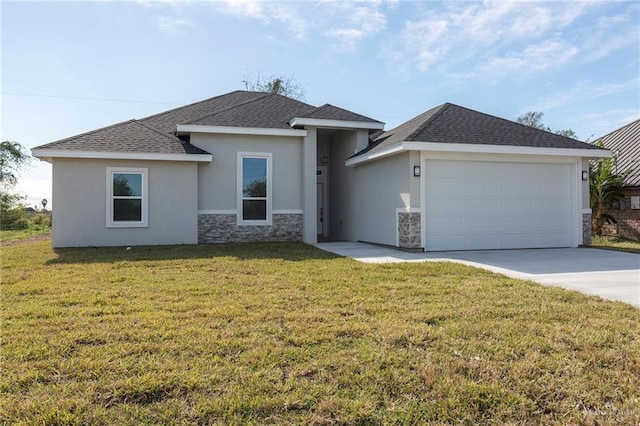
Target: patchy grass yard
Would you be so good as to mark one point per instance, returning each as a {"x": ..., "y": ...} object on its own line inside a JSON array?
[
  {"x": 24, "y": 234},
  {"x": 288, "y": 334},
  {"x": 616, "y": 243}
]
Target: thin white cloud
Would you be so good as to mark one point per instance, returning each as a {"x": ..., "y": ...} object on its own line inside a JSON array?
[
  {"x": 583, "y": 91},
  {"x": 172, "y": 25},
  {"x": 494, "y": 39}
]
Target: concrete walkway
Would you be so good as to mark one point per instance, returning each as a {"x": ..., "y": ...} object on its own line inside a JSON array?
[{"x": 609, "y": 274}]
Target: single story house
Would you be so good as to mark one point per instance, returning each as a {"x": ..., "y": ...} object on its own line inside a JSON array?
[
  {"x": 624, "y": 143},
  {"x": 249, "y": 166}
]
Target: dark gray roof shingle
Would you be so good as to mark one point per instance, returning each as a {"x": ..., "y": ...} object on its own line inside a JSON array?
[
  {"x": 128, "y": 136},
  {"x": 156, "y": 133},
  {"x": 449, "y": 123},
  {"x": 264, "y": 111},
  {"x": 625, "y": 145},
  {"x": 330, "y": 112}
]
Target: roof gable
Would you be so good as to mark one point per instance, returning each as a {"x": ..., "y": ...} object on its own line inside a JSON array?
[
  {"x": 625, "y": 145},
  {"x": 453, "y": 124},
  {"x": 330, "y": 112}
]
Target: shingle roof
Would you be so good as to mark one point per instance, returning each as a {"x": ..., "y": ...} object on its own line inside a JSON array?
[
  {"x": 156, "y": 133},
  {"x": 449, "y": 123},
  {"x": 330, "y": 112},
  {"x": 128, "y": 136},
  {"x": 264, "y": 111},
  {"x": 625, "y": 145}
]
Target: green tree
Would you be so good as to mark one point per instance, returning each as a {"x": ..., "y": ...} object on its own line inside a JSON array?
[
  {"x": 280, "y": 84},
  {"x": 534, "y": 119},
  {"x": 605, "y": 188},
  {"x": 13, "y": 157}
]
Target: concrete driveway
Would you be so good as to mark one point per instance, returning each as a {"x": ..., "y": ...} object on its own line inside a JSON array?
[{"x": 609, "y": 274}]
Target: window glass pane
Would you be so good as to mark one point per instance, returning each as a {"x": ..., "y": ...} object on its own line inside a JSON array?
[
  {"x": 127, "y": 184},
  {"x": 125, "y": 210},
  {"x": 254, "y": 177},
  {"x": 254, "y": 210}
]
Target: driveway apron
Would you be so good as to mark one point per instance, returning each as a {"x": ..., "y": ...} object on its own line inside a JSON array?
[{"x": 609, "y": 274}]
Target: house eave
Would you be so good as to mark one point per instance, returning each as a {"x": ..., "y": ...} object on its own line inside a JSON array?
[
  {"x": 229, "y": 130},
  {"x": 335, "y": 124},
  {"x": 477, "y": 149},
  {"x": 48, "y": 154}
]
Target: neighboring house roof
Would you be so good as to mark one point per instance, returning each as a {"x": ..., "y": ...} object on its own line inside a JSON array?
[
  {"x": 625, "y": 145},
  {"x": 453, "y": 124},
  {"x": 156, "y": 134}
]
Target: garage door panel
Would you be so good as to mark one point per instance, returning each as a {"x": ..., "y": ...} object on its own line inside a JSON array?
[
  {"x": 549, "y": 206},
  {"x": 491, "y": 205},
  {"x": 514, "y": 189},
  {"x": 483, "y": 207},
  {"x": 550, "y": 223},
  {"x": 445, "y": 224},
  {"x": 482, "y": 224},
  {"x": 514, "y": 172},
  {"x": 446, "y": 206},
  {"x": 549, "y": 189},
  {"x": 516, "y": 224},
  {"x": 516, "y": 206},
  {"x": 480, "y": 172}
]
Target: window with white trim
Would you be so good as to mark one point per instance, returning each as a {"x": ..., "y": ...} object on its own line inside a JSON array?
[
  {"x": 127, "y": 198},
  {"x": 254, "y": 188}
]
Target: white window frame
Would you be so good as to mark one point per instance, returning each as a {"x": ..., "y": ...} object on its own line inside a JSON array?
[
  {"x": 269, "y": 219},
  {"x": 144, "y": 223}
]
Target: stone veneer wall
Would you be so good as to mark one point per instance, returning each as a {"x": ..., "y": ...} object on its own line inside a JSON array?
[
  {"x": 409, "y": 235},
  {"x": 586, "y": 229},
  {"x": 223, "y": 228}
]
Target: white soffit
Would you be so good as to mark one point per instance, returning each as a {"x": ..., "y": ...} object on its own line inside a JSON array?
[
  {"x": 477, "y": 148},
  {"x": 229, "y": 130},
  {"x": 48, "y": 154},
  {"x": 335, "y": 124}
]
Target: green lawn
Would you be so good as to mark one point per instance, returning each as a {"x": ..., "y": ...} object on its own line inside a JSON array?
[
  {"x": 616, "y": 243},
  {"x": 288, "y": 334}
]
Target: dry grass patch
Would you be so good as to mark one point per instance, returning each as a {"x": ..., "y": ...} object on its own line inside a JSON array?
[
  {"x": 288, "y": 334},
  {"x": 616, "y": 243}
]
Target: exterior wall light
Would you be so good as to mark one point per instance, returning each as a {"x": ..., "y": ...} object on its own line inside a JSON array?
[
  {"x": 585, "y": 175},
  {"x": 416, "y": 171}
]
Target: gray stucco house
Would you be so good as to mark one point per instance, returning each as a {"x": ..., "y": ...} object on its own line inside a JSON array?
[{"x": 249, "y": 166}]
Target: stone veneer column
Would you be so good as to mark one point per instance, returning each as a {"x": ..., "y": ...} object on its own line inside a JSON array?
[
  {"x": 409, "y": 235},
  {"x": 586, "y": 229},
  {"x": 309, "y": 166}
]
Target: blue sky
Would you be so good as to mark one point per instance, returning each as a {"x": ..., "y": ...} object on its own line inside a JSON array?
[{"x": 70, "y": 67}]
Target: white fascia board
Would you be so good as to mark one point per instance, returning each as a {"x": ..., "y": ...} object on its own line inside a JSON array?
[
  {"x": 478, "y": 149},
  {"x": 48, "y": 154},
  {"x": 335, "y": 124},
  {"x": 228, "y": 130}
]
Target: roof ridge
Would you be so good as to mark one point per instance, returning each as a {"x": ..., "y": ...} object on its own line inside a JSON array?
[
  {"x": 429, "y": 120},
  {"x": 264, "y": 95},
  {"x": 188, "y": 105}
]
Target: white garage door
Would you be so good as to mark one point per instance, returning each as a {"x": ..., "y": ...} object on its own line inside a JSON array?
[{"x": 474, "y": 205}]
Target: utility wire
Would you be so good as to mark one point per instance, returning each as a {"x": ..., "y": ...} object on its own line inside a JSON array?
[{"x": 41, "y": 95}]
